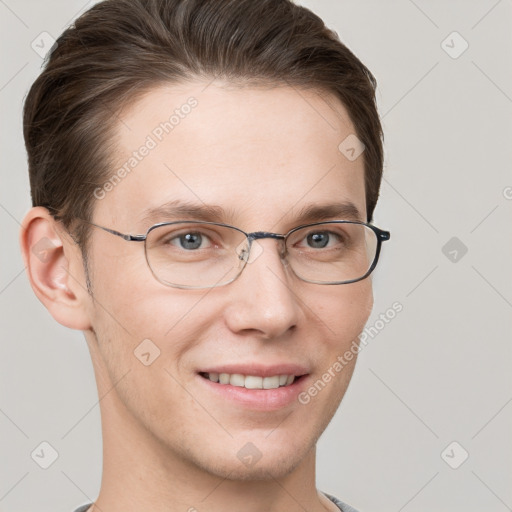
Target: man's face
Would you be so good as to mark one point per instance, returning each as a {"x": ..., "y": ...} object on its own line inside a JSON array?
[{"x": 262, "y": 155}]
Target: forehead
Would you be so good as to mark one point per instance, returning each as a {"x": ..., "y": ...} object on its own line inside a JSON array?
[{"x": 260, "y": 154}]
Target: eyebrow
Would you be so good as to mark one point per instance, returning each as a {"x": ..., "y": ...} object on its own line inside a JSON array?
[
  {"x": 316, "y": 213},
  {"x": 184, "y": 210}
]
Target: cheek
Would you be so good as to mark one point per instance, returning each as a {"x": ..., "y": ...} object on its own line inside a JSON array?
[
  {"x": 133, "y": 314},
  {"x": 129, "y": 296},
  {"x": 343, "y": 314},
  {"x": 346, "y": 310},
  {"x": 143, "y": 333}
]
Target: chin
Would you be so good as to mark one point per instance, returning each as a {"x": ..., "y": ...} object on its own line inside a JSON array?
[
  {"x": 271, "y": 469},
  {"x": 258, "y": 460}
]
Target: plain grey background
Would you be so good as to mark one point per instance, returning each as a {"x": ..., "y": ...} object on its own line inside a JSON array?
[{"x": 426, "y": 422}]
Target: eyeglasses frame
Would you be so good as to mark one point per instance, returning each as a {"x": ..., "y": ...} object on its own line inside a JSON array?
[{"x": 381, "y": 235}]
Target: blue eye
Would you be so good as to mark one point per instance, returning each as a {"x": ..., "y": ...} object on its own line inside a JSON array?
[
  {"x": 322, "y": 239},
  {"x": 318, "y": 240},
  {"x": 190, "y": 241}
]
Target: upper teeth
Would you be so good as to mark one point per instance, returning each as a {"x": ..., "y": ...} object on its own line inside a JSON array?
[{"x": 251, "y": 381}]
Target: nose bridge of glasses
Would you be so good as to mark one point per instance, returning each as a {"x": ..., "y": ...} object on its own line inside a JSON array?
[{"x": 259, "y": 235}]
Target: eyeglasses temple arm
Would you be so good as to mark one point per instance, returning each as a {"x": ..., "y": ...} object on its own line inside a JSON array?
[{"x": 128, "y": 238}]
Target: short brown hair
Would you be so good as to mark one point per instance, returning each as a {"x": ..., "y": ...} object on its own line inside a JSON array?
[{"x": 122, "y": 48}]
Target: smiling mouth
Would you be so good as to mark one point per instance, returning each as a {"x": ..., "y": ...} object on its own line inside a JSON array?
[{"x": 252, "y": 381}]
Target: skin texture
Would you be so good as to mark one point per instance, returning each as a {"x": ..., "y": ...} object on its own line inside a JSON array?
[{"x": 169, "y": 443}]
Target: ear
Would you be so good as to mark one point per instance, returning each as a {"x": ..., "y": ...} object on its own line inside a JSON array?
[{"x": 55, "y": 270}]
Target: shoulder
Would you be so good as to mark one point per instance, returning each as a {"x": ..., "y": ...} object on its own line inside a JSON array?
[
  {"x": 340, "y": 504},
  {"x": 83, "y": 508}
]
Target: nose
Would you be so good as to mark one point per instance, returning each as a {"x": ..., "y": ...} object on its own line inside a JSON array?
[{"x": 263, "y": 300}]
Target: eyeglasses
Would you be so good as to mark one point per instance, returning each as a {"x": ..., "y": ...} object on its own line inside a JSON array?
[{"x": 193, "y": 254}]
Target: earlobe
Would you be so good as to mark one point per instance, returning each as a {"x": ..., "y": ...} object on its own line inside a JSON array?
[{"x": 54, "y": 267}]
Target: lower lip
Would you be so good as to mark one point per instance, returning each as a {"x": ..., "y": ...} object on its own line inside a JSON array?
[{"x": 257, "y": 399}]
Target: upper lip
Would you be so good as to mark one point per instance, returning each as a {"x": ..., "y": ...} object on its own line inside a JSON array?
[{"x": 258, "y": 370}]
